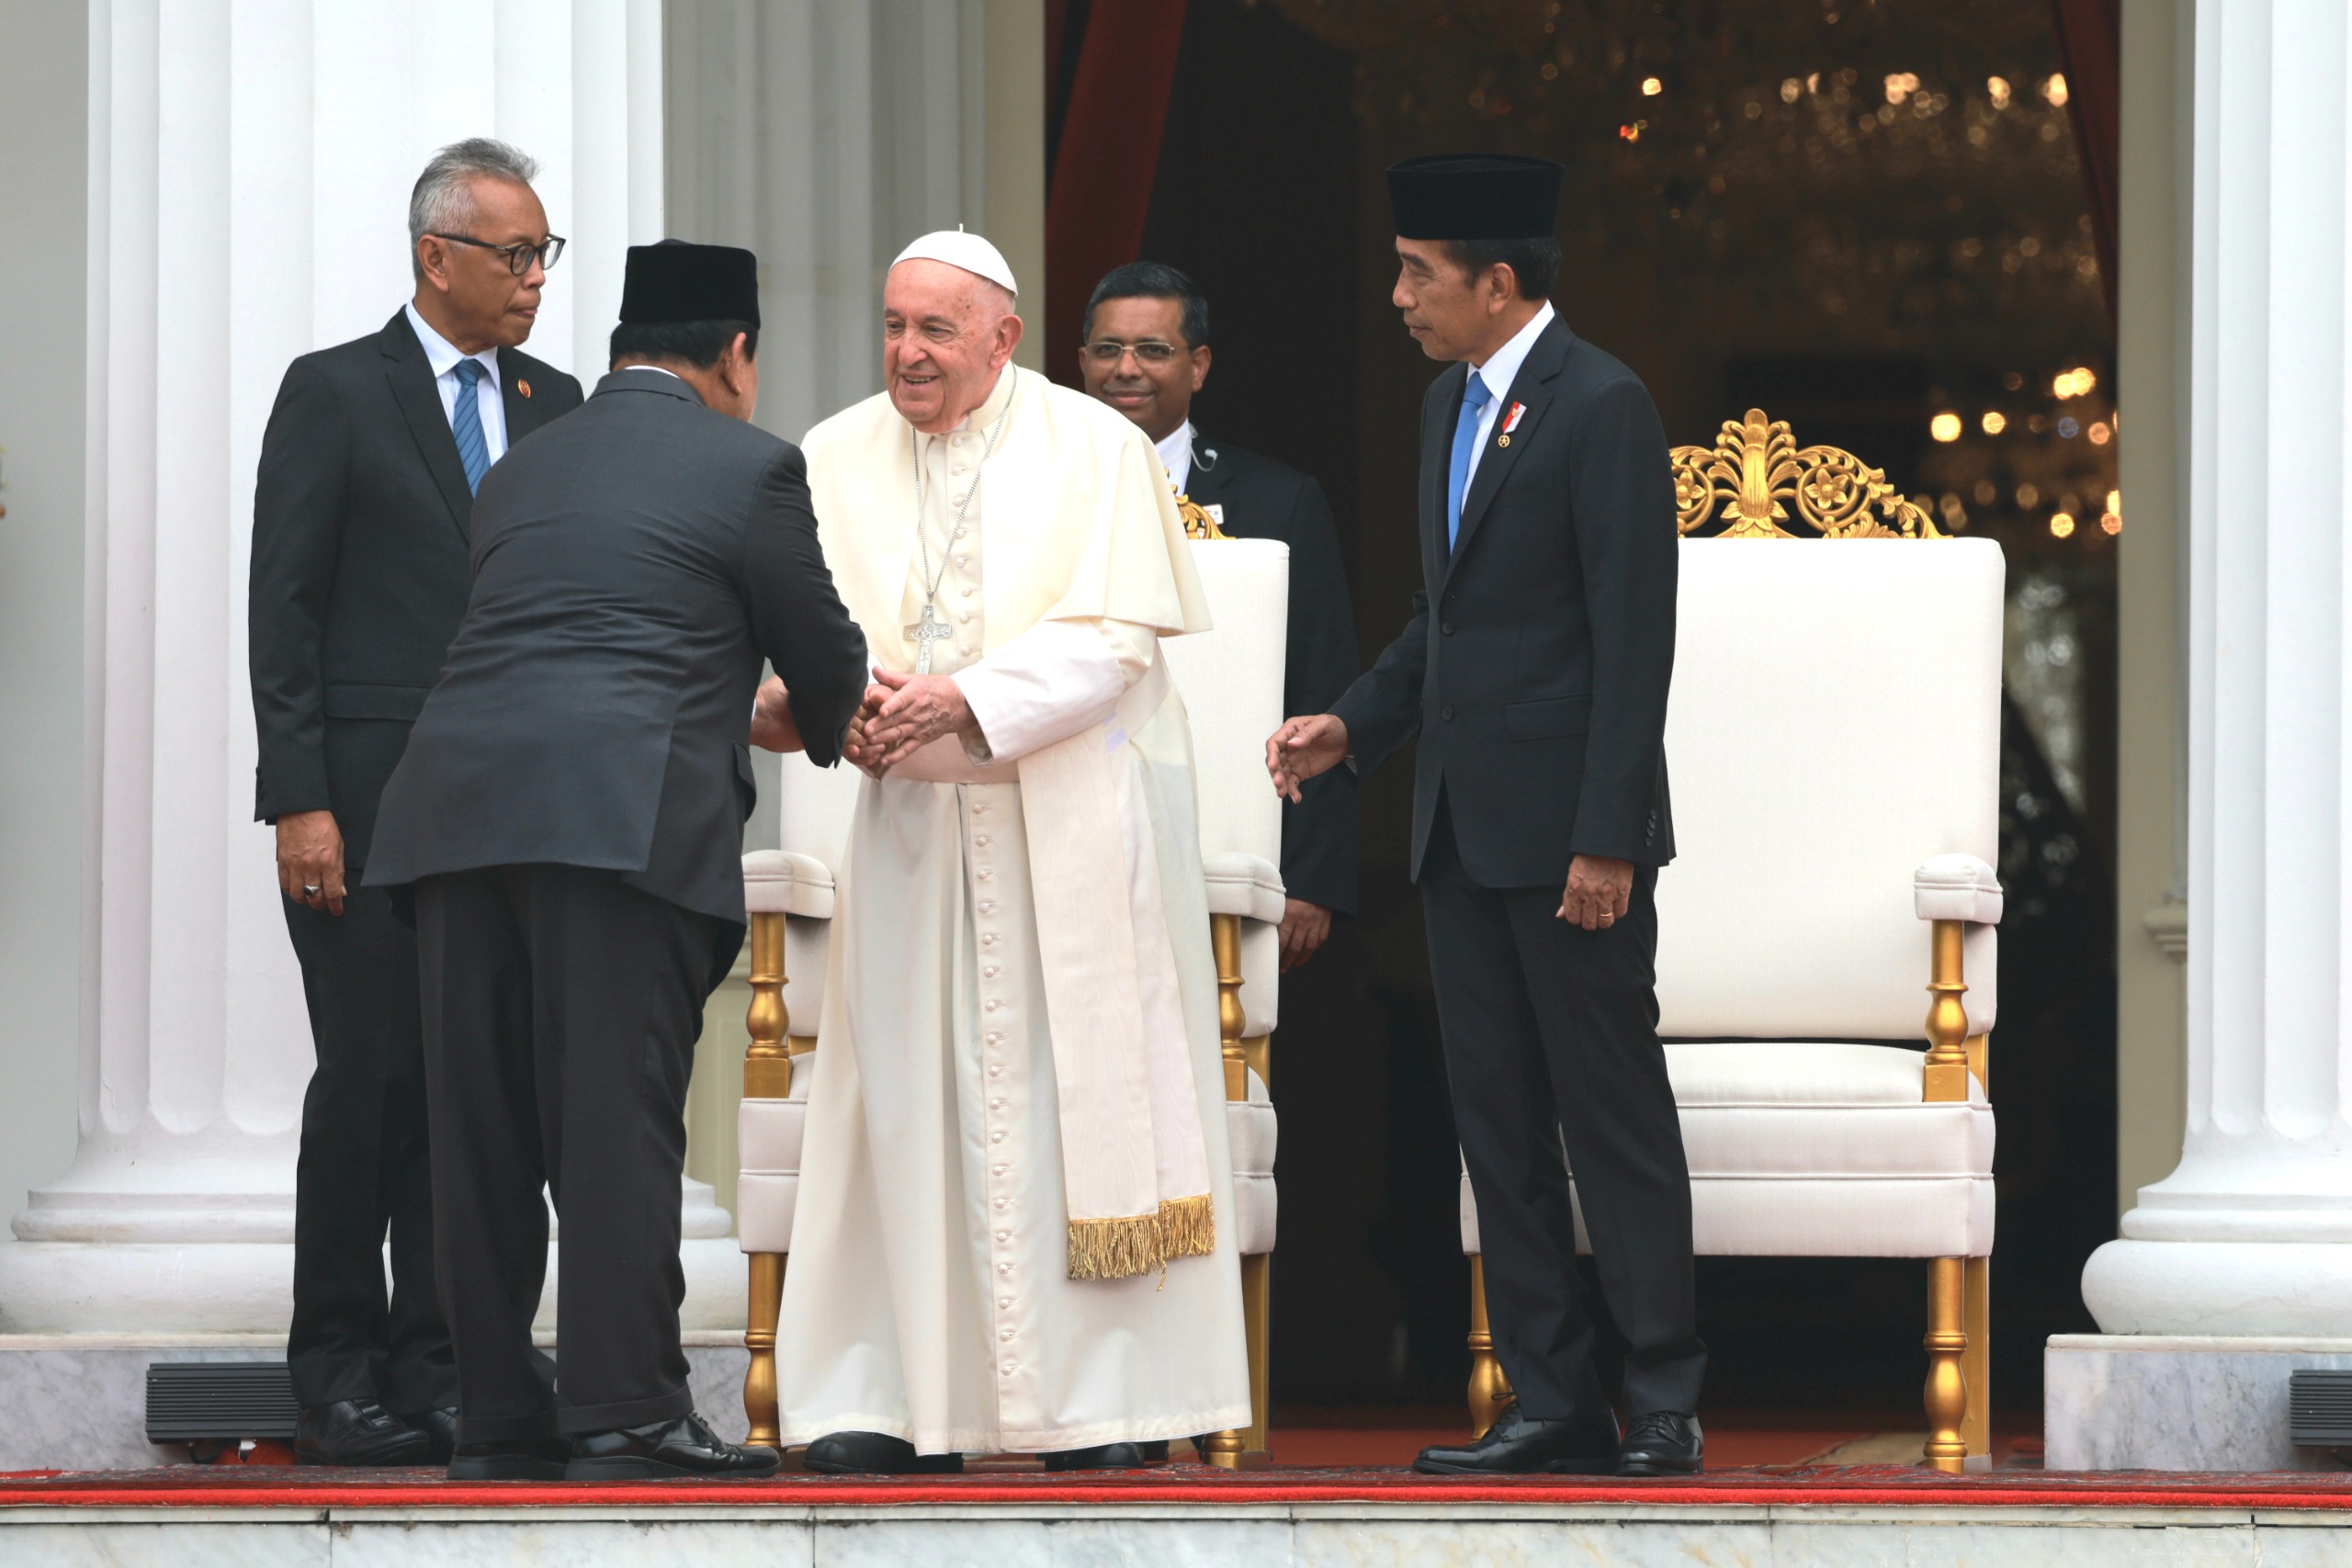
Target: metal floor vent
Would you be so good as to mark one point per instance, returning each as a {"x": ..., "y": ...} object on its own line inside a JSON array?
[
  {"x": 2319, "y": 1408},
  {"x": 219, "y": 1401}
]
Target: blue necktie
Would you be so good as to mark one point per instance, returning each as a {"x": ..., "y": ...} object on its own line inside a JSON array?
[
  {"x": 473, "y": 449},
  {"x": 1474, "y": 397}
]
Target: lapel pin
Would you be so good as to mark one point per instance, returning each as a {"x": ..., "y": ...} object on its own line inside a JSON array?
[
  {"x": 524, "y": 388},
  {"x": 1510, "y": 420},
  {"x": 1502, "y": 440}
]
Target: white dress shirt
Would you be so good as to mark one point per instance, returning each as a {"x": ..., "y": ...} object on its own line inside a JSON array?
[
  {"x": 1499, "y": 370},
  {"x": 443, "y": 355},
  {"x": 1176, "y": 456}
]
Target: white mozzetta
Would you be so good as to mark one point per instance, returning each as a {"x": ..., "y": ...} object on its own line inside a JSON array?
[
  {"x": 2249, "y": 1234},
  {"x": 250, "y": 164}
]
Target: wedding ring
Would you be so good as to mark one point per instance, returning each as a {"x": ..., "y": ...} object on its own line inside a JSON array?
[{"x": 310, "y": 889}]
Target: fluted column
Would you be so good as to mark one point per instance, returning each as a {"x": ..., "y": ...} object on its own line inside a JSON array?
[
  {"x": 250, "y": 166},
  {"x": 2251, "y": 1235}
]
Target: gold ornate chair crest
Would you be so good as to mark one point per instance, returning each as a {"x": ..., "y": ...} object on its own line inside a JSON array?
[{"x": 1759, "y": 472}]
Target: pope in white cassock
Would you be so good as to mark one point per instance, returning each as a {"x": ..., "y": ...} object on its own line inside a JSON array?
[{"x": 1015, "y": 1226}]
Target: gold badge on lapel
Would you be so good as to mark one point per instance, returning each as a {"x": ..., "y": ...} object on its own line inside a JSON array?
[
  {"x": 524, "y": 388},
  {"x": 1502, "y": 440}
]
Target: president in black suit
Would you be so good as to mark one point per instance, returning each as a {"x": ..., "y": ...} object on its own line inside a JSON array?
[
  {"x": 1535, "y": 671},
  {"x": 1145, "y": 354},
  {"x": 359, "y": 577},
  {"x": 570, "y": 812}
]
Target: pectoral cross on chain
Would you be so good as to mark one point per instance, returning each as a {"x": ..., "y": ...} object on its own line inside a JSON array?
[{"x": 928, "y": 630}]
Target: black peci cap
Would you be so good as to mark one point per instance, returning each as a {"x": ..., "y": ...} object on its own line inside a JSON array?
[
  {"x": 1475, "y": 196},
  {"x": 675, "y": 281}
]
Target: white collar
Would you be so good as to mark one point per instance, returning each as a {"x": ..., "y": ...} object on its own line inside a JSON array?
[
  {"x": 1176, "y": 453},
  {"x": 443, "y": 354},
  {"x": 1501, "y": 367}
]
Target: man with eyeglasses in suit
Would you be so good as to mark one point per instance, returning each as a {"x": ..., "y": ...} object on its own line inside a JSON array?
[
  {"x": 1147, "y": 354},
  {"x": 360, "y": 576}
]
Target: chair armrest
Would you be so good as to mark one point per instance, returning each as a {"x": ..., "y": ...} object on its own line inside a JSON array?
[
  {"x": 1246, "y": 886},
  {"x": 1957, "y": 887},
  {"x": 778, "y": 882}
]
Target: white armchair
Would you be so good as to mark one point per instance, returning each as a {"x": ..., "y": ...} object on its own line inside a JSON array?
[
  {"x": 1835, "y": 739},
  {"x": 1231, "y": 681},
  {"x": 789, "y": 894}
]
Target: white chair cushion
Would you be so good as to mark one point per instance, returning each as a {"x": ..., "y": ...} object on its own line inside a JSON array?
[
  {"x": 1957, "y": 887},
  {"x": 813, "y": 807},
  {"x": 1251, "y": 887},
  {"x": 1834, "y": 722},
  {"x": 1824, "y": 1149},
  {"x": 1231, "y": 680},
  {"x": 777, "y": 882},
  {"x": 767, "y": 1185},
  {"x": 1251, "y": 1125}
]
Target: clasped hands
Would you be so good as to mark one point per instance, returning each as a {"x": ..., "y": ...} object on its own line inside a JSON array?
[
  {"x": 1599, "y": 888},
  {"x": 900, "y": 714}
]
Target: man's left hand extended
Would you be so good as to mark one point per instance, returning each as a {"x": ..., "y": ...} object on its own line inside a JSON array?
[
  {"x": 1599, "y": 892},
  {"x": 918, "y": 710},
  {"x": 1304, "y": 928}
]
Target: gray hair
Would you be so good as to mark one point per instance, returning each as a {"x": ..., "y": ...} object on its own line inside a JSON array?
[{"x": 443, "y": 202}]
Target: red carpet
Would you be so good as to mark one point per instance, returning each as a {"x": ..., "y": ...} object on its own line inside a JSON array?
[{"x": 264, "y": 1487}]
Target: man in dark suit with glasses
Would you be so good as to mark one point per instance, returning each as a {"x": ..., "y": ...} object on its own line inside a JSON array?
[
  {"x": 359, "y": 578},
  {"x": 1146, "y": 354}
]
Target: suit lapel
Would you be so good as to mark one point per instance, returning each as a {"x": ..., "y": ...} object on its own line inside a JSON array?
[
  {"x": 522, "y": 411},
  {"x": 419, "y": 401},
  {"x": 1531, "y": 389},
  {"x": 1437, "y": 457}
]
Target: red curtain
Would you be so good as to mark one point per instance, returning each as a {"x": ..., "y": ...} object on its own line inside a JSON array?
[
  {"x": 2090, "y": 46},
  {"x": 1106, "y": 155}
]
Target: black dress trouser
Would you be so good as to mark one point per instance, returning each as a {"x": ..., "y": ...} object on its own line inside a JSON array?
[
  {"x": 1551, "y": 1033},
  {"x": 364, "y": 1169},
  {"x": 562, "y": 1006}
]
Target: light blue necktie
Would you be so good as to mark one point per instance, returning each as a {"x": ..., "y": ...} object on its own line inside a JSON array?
[
  {"x": 473, "y": 449},
  {"x": 1474, "y": 397}
]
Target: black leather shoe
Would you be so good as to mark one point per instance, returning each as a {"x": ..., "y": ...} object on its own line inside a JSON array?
[
  {"x": 1663, "y": 1442},
  {"x": 1517, "y": 1446},
  {"x": 359, "y": 1432},
  {"x": 684, "y": 1446},
  {"x": 876, "y": 1453},
  {"x": 1104, "y": 1456},
  {"x": 530, "y": 1459},
  {"x": 440, "y": 1429}
]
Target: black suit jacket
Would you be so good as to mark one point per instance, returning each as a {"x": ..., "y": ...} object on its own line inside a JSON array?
[
  {"x": 632, "y": 566},
  {"x": 360, "y": 574},
  {"x": 1265, "y": 500},
  {"x": 1536, "y": 663}
]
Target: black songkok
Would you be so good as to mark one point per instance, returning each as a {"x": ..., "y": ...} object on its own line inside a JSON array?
[
  {"x": 1475, "y": 196},
  {"x": 675, "y": 281}
]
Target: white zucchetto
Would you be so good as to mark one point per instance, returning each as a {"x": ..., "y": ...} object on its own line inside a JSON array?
[{"x": 969, "y": 252}]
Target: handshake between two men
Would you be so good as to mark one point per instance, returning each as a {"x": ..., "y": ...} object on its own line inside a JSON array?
[{"x": 900, "y": 714}]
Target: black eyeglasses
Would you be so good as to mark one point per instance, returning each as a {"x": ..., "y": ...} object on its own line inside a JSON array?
[
  {"x": 1150, "y": 351},
  {"x": 519, "y": 257}
]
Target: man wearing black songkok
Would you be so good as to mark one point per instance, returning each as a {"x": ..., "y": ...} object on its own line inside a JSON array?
[
  {"x": 569, "y": 814},
  {"x": 1535, "y": 671}
]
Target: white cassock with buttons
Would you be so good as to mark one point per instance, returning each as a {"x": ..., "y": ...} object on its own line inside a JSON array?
[{"x": 930, "y": 1292}]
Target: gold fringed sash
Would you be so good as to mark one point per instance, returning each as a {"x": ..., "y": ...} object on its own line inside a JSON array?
[{"x": 1137, "y": 1244}]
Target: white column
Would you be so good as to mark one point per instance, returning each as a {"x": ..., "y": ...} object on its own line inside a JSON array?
[
  {"x": 250, "y": 167},
  {"x": 2251, "y": 1236}
]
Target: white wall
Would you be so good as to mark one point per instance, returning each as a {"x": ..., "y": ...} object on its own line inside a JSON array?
[{"x": 44, "y": 81}]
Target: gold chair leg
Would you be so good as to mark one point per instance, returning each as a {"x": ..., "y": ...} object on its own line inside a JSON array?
[
  {"x": 1489, "y": 1389},
  {"x": 1946, "y": 1342},
  {"x": 767, "y": 1075},
  {"x": 1976, "y": 1363},
  {"x": 1232, "y": 1448},
  {"x": 759, "y": 1338}
]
